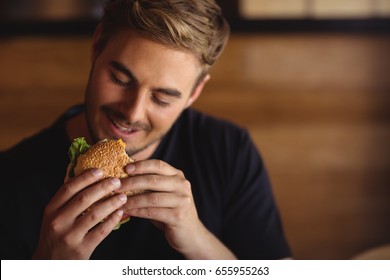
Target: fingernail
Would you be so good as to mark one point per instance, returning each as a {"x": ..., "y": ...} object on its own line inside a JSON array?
[
  {"x": 122, "y": 197},
  {"x": 115, "y": 181},
  {"x": 119, "y": 212},
  {"x": 130, "y": 168},
  {"x": 97, "y": 173}
]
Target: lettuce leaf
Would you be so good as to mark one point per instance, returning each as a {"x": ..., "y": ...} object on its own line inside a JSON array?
[
  {"x": 78, "y": 147},
  {"x": 121, "y": 223}
]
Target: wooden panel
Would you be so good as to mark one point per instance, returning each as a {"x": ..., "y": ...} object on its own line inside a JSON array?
[
  {"x": 39, "y": 78},
  {"x": 343, "y": 8},
  {"x": 383, "y": 8},
  {"x": 252, "y": 9},
  {"x": 324, "y": 62}
]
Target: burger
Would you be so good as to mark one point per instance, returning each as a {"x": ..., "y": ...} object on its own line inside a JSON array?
[{"x": 108, "y": 155}]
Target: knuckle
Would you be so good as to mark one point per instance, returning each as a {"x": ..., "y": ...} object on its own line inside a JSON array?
[
  {"x": 93, "y": 216},
  {"x": 178, "y": 216},
  {"x": 103, "y": 231},
  {"x": 153, "y": 198},
  {"x": 160, "y": 164},
  {"x": 185, "y": 183},
  {"x": 146, "y": 212},
  {"x": 103, "y": 187},
  {"x": 78, "y": 252},
  {"x": 68, "y": 188},
  {"x": 68, "y": 241},
  {"x": 186, "y": 201},
  {"x": 115, "y": 201},
  {"x": 82, "y": 198},
  {"x": 131, "y": 201},
  {"x": 54, "y": 226},
  {"x": 151, "y": 212},
  {"x": 180, "y": 173},
  {"x": 153, "y": 179}
]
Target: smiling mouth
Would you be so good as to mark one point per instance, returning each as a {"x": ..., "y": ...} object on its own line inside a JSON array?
[
  {"x": 123, "y": 125},
  {"x": 120, "y": 126}
]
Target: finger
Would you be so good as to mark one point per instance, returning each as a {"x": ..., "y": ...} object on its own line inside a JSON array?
[
  {"x": 99, "y": 213},
  {"x": 167, "y": 216},
  {"x": 102, "y": 230},
  {"x": 67, "y": 177},
  {"x": 73, "y": 186},
  {"x": 152, "y": 166},
  {"x": 155, "y": 200},
  {"x": 84, "y": 199},
  {"x": 154, "y": 182}
]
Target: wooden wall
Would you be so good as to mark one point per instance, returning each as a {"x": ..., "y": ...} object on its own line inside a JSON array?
[{"x": 317, "y": 106}]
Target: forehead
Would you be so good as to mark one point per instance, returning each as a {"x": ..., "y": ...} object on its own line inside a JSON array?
[{"x": 150, "y": 59}]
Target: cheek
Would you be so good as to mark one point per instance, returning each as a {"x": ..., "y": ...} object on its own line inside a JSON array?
[
  {"x": 159, "y": 118},
  {"x": 100, "y": 89},
  {"x": 163, "y": 119}
]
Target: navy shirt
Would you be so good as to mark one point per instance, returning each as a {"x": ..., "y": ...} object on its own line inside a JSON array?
[{"x": 229, "y": 183}]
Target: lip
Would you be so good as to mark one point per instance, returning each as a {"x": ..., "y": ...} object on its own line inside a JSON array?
[{"x": 118, "y": 129}]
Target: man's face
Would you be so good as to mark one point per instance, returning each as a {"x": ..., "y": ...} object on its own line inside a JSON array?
[{"x": 137, "y": 90}]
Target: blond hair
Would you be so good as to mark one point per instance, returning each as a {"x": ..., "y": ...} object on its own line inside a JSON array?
[{"x": 192, "y": 25}]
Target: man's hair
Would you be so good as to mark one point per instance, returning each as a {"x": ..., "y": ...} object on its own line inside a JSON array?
[{"x": 196, "y": 26}]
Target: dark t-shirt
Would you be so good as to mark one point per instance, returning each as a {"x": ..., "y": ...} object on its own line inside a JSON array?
[{"x": 231, "y": 190}]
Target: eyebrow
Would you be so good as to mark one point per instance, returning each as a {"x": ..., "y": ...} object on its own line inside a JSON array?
[
  {"x": 122, "y": 68},
  {"x": 170, "y": 92}
]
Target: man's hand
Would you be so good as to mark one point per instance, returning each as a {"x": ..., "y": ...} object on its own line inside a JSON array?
[
  {"x": 171, "y": 206},
  {"x": 71, "y": 228}
]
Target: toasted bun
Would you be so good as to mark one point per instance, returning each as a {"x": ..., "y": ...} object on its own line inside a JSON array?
[{"x": 108, "y": 155}]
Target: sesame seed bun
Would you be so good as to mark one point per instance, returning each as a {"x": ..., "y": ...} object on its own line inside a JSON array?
[{"x": 109, "y": 156}]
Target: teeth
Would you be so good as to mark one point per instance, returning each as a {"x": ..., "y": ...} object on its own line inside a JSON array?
[{"x": 122, "y": 128}]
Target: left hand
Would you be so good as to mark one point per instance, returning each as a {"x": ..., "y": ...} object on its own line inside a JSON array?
[{"x": 170, "y": 204}]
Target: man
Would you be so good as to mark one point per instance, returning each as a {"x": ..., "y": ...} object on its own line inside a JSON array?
[{"x": 209, "y": 196}]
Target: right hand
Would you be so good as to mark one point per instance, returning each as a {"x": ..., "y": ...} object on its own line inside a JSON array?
[{"x": 68, "y": 231}]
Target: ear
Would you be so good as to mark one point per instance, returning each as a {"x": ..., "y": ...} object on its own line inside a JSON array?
[
  {"x": 95, "y": 42},
  {"x": 198, "y": 90}
]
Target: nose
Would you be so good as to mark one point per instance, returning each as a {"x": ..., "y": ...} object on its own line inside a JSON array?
[{"x": 135, "y": 106}]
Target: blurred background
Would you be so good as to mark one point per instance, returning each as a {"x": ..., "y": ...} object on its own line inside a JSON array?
[{"x": 310, "y": 80}]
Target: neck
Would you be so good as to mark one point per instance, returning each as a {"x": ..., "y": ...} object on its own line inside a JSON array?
[{"x": 146, "y": 153}]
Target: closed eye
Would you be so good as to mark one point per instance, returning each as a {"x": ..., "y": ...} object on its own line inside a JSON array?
[
  {"x": 117, "y": 81},
  {"x": 121, "y": 75},
  {"x": 159, "y": 101}
]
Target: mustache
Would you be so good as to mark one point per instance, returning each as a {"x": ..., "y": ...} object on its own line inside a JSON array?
[{"x": 117, "y": 116}]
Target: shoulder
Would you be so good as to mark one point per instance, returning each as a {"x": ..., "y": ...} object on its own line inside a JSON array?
[
  {"x": 205, "y": 126},
  {"x": 216, "y": 143},
  {"x": 211, "y": 137},
  {"x": 199, "y": 118},
  {"x": 44, "y": 148},
  {"x": 32, "y": 146},
  {"x": 43, "y": 145}
]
